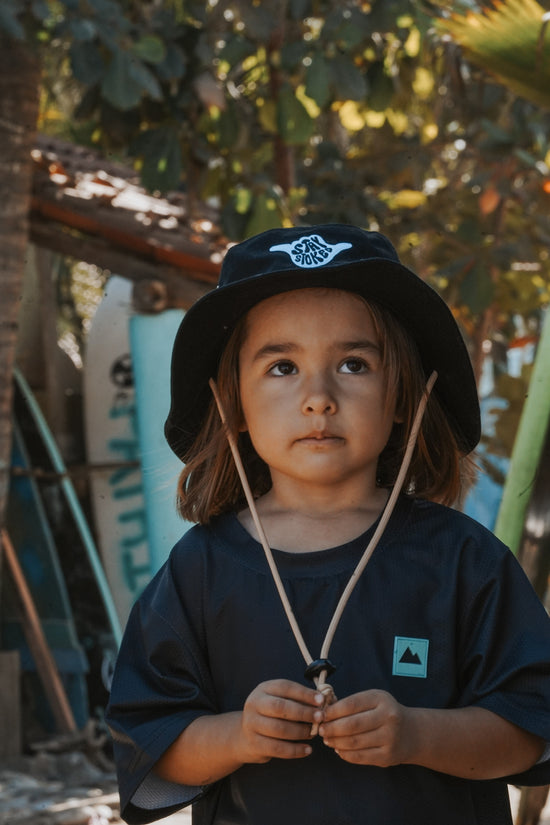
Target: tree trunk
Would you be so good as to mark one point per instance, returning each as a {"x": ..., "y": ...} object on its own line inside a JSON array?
[
  {"x": 283, "y": 153},
  {"x": 19, "y": 90}
]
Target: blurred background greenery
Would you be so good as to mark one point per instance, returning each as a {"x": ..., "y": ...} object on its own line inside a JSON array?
[{"x": 427, "y": 120}]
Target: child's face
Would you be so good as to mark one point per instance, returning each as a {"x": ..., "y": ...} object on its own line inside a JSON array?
[{"x": 312, "y": 390}]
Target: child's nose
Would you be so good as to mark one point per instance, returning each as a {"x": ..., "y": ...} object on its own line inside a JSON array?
[{"x": 319, "y": 399}]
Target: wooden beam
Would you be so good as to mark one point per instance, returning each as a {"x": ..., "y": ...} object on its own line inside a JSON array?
[
  {"x": 182, "y": 287},
  {"x": 121, "y": 231}
]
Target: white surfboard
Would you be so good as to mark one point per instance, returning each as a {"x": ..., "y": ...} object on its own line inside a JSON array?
[
  {"x": 126, "y": 400},
  {"x": 112, "y": 442}
]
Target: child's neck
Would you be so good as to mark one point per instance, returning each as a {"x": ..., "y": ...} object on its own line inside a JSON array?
[{"x": 308, "y": 526}]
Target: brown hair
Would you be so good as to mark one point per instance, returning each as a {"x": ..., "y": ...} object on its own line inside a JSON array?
[{"x": 209, "y": 483}]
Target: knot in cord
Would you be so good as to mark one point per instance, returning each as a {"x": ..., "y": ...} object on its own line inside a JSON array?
[{"x": 328, "y": 695}]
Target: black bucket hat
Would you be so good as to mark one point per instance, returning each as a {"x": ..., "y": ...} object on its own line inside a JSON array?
[{"x": 331, "y": 255}]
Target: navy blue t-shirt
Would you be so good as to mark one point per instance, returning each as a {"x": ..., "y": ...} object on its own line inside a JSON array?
[{"x": 442, "y": 617}]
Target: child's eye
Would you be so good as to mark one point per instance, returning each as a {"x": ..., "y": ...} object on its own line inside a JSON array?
[
  {"x": 283, "y": 368},
  {"x": 353, "y": 365}
]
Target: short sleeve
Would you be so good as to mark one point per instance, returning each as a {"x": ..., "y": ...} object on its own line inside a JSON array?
[
  {"x": 505, "y": 650},
  {"x": 160, "y": 685}
]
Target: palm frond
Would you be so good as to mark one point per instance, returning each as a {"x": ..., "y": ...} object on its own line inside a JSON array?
[{"x": 511, "y": 40}]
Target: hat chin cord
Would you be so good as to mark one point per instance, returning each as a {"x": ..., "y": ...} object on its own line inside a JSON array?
[{"x": 317, "y": 670}]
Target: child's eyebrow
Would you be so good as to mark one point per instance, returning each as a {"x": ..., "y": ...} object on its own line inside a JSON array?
[
  {"x": 287, "y": 347},
  {"x": 353, "y": 345},
  {"x": 269, "y": 349}
]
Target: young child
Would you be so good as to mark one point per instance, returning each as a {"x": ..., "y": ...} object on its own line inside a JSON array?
[{"x": 437, "y": 651}]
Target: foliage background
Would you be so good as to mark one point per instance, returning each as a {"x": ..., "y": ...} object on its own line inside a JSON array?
[{"x": 428, "y": 121}]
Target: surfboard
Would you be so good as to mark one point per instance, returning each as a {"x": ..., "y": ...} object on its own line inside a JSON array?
[
  {"x": 60, "y": 561},
  {"x": 112, "y": 446},
  {"x": 151, "y": 338},
  {"x": 133, "y": 473},
  {"x": 47, "y": 454},
  {"x": 28, "y": 527}
]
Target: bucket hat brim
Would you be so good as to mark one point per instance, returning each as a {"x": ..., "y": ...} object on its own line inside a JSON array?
[{"x": 362, "y": 262}]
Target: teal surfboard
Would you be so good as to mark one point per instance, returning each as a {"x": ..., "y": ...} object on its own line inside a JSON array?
[
  {"x": 32, "y": 538},
  {"x": 151, "y": 338}
]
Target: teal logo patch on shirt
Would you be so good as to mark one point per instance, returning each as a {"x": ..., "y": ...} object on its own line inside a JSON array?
[{"x": 410, "y": 657}]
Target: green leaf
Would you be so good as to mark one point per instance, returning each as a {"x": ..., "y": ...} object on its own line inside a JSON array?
[
  {"x": 496, "y": 133},
  {"x": 292, "y": 54},
  {"x": 347, "y": 80},
  {"x": 527, "y": 158},
  {"x": 145, "y": 78},
  {"x": 82, "y": 30},
  {"x": 258, "y": 22},
  {"x": 477, "y": 289},
  {"x": 236, "y": 49},
  {"x": 9, "y": 22},
  {"x": 89, "y": 102},
  {"x": 242, "y": 200},
  {"x": 299, "y": 9},
  {"x": 318, "y": 80},
  {"x": 40, "y": 10},
  {"x": 108, "y": 36},
  {"x": 173, "y": 65},
  {"x": 161, "y": 168},
  {"x": 509, "y": 40},
  {"x": 229, "y": 127},
  {"x": 86, "y": 62},
  {"x": 381, "y": 88},
  {"x": 212, "y": 181},
  {"x": 293, "y": 122},
  {"x": 469, "y": 231},
  {"x": 111, "y": 22},
  {"x": 347, "y": 27},
  {"x": 265, "y": 215},
  {"x": 107, "y": 9},
  {"x": 120, "y": 86},
  {"x": 352, "y": 32},
  {"x": 233, "y": 224},
  {"x": 150, "y": 49}
]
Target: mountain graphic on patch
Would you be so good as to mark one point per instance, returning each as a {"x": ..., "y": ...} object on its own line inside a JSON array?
[{"x": 410, "y": 658}]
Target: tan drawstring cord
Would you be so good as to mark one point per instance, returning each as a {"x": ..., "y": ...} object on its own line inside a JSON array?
[{"x": 320, "y": 668}]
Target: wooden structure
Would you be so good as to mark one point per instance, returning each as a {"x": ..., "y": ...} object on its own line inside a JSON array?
[{"x": 95, "y": 210}]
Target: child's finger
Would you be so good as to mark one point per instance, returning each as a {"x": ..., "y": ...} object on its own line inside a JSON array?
[
  {"x": 287, "y": 689},
  {"x": 368, "y": 700},
  {"x": 279, "y": 709},
  {"x": 282, "y": 699},
  {"x": 350, "y": 733},
  {"x": 283, "y": 730},
  {"x": 283, "y": 749}
]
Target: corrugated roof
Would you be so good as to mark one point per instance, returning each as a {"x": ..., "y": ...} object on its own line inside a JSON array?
[{"x": 94, "y": 209}]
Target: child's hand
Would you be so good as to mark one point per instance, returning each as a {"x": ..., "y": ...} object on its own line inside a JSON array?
[
  {"x": 368, "y": 728},
  {"x": 276, "y": 716}
]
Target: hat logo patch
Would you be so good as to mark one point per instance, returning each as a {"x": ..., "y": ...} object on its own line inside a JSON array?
[{"x": 310, "y": 251}]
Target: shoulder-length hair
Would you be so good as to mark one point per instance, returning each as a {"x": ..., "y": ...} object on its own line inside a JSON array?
[{"x": 209, "y": 484}]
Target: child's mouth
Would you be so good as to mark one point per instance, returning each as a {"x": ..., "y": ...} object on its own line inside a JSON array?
[{"x": 320, "y": 438}]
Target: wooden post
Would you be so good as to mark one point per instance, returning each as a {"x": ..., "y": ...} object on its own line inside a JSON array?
[{"x": 10, "y": 704}]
